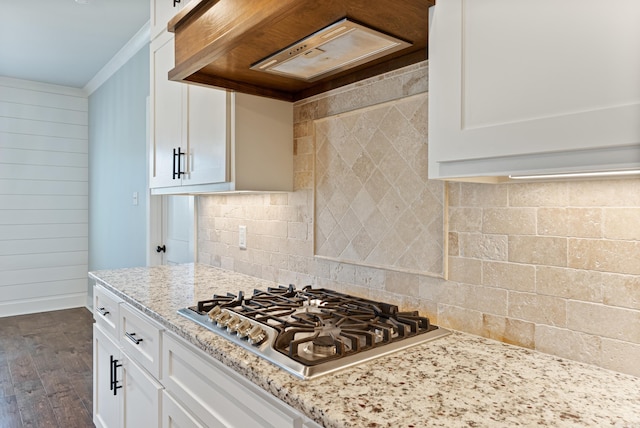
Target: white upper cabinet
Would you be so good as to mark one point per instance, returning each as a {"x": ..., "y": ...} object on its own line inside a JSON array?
[
  {"x": 167, "y": 133},
  {"x": 209, "y": 140},
  {"x": 533, "y": 87},
  {"x": 161, "y": 12}
]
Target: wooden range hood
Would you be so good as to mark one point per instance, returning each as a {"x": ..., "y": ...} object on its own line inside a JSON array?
[{"x": 218, "y": 41}]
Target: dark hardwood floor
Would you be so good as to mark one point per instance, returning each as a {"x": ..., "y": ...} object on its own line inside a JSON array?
[{"x": 45, "y": 369}]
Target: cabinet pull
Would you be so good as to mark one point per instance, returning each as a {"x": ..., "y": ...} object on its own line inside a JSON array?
[
  {"x": 175, "y": 2},
  {"x": 131, "y": 337},
  {"x": 177, "y": 163},
  {"x": 114, "y": 376},
  {"x": 103, "y": 311}
]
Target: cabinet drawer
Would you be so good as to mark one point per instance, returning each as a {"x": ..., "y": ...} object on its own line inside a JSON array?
[
  {"x": 106, "y": 310},
  {"x": 217, "y": 395},
  {"x": 140, "y": 338}
]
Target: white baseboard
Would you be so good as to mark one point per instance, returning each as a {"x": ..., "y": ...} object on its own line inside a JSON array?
[{"x": 42, "y": 304}]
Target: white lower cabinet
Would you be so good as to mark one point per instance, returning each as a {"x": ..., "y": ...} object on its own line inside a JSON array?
[
  {"x": 211, "y": 392},
  {"x": 142, "y": 397},
  {"x": 124, "y": 394},
  {"x": 106, "y": 403},
  {"x": 126, "y": 348},
  {"x": 144, "y": 376},
  {"x": 176, "y": 416}
]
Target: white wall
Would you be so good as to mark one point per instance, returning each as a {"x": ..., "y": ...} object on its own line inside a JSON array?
[{"x": 43, "y": 197}]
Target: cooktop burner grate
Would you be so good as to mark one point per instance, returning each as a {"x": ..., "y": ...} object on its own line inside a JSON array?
[{"x": 319, "y": 330}]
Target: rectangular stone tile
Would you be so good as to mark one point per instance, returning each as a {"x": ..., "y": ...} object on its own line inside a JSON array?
[
  {"x": 465, "y": 270},
  {"x": 621, "y": 290},
  {"x": 462, "y": 319},
  {"x": 538, "y": 308},
  {"x": 425, "y": 308},
  {"x": 483, "y": 195},
  {"x": 569, "y": 344},
  {"x": 370, "y": 277},
  {"x": 483, "y": 246},
  {"x": 621, "y": 356},
  {"x": 622, "y": 223},
  {"x": 453, "y": 191},
  {"x": 606, "y": 321},
  {"x": 604, "y": 255},
  {"x": 465, "y": 219},
  {"x": 402, "y": 283},
  {"x": 509, "y": 221},
  {"x": 552, "y": 194},
  {"x": 538, "y": 250},
  {"x": 483, "y": 299},
  {"x": 605, "y": 193},
  {"x": 437, "y": 290},
  {"x": 569, "y": 283},
  {"x": 515, "y": 332},
  {"x": 453, "y": 249},
  {"x": 573, "y": 222},
  {"x": 510, "y": 276}
]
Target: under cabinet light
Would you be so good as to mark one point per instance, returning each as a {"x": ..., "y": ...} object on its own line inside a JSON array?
[{"x": 593, "y": 174}]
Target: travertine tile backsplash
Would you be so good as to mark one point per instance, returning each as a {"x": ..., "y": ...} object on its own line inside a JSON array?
[
  {"x": 548, "y": 266},
  {"x": 374, "y": 204}
]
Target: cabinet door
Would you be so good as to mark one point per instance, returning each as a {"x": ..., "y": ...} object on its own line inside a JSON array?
[
  {"x": 161, "y": 12},
  {"x": 142, "y": 397},
  {"x": 176, "y": 416},
  {"x": 106, "y": 405},
  {"x": 167, "y": 132},
  {"x": 209, "y": 139},
  {"x": 542, "y": 86}
]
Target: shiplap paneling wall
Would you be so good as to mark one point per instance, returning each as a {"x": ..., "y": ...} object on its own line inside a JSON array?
[{"x": 43, "y": 197}]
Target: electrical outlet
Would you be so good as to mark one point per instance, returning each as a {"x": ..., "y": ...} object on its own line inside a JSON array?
[
  {"x": 242, "y": 237},
  {"x": 135, "y": 198}
]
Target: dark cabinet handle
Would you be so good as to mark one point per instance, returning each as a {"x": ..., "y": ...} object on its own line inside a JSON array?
[
  {"x": 175, "y": 2},
  {"x": 114, "y": 376},
  {"x": 103, "y": 312},
  {"x": 132, "y": 337},
  {"x": 162, "y": 249},
  {"x": 177, "y": 163}
]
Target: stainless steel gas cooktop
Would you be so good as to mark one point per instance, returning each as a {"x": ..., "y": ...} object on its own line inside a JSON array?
[{"x": 311, "y": 332}]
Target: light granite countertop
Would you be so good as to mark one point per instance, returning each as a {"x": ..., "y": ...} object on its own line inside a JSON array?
[{"x": 456, "y": 381}]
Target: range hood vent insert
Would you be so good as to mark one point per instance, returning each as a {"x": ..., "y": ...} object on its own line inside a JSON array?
[{"x": 338, "y": 47}]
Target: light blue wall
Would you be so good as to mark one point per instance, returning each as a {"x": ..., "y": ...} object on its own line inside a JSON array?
[{"x": 117, "y": 167}]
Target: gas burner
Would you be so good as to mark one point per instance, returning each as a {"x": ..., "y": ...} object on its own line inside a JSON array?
[
  {"x": 310, "y": 332},
  {"x": 323, "y": 345}
]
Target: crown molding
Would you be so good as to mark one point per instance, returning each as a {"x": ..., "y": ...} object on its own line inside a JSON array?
[{"x": 137, "y": 42}]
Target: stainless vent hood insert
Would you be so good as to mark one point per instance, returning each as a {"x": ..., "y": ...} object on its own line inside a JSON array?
[{"x": 335, "y": 48}]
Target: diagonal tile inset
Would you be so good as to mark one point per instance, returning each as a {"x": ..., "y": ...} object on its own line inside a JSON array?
[{"x": 374, "y": 205}]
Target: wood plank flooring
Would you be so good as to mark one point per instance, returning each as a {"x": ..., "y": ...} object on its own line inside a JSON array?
[{"x": 45, "y": 370}]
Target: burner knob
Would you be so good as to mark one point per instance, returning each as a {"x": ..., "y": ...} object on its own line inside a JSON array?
[
  {"x": 243, "y": 329},
  {"x": 222, "y": 319},
  {"x": 256, "y": 335},
  {"x": 232, "y": 324},
  {"x": 213, "y": 313}
]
